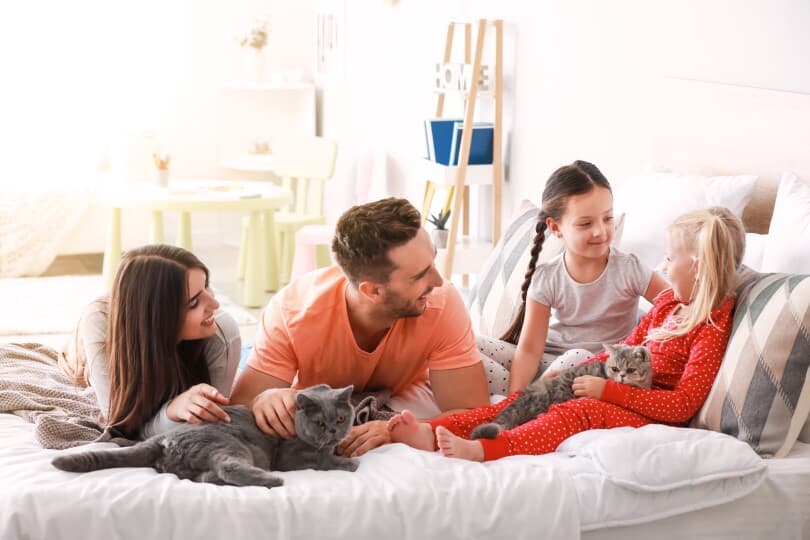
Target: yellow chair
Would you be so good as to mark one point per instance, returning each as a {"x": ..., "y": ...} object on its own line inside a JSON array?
[{"x": 303, "y": 164}]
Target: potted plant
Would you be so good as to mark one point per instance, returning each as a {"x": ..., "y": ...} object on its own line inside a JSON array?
[
  {"x": 161, "y": 161},
  {"x": 256, "y": 39},
  {"x": 439, "y": 234}
]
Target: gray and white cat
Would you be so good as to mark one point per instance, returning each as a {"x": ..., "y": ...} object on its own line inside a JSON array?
[
  {"x": 625, "y": 364},
  {"x": 237, "y": 452}
]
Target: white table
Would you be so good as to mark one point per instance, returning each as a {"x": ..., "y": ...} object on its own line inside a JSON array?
[{"x": 187, "y": 196}]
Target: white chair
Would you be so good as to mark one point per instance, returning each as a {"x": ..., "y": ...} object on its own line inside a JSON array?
[{"x": 303, "y": 164}]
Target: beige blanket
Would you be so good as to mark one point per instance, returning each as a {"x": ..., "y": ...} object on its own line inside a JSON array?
[{"x": 34, "y": 388}]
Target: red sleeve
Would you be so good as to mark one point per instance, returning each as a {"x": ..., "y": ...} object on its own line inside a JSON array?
[{"x": 677, "y": 406}]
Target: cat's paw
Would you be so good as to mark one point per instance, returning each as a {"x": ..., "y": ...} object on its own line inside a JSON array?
[
  {"x": 349, "y": 465},
  {"x": 485, "y": 431},
  {"x": 272, "y": 481}
]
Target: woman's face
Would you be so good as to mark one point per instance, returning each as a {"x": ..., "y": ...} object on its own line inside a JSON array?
[
  {"x": 201, "y": 305},
  {"x": 680, "y": 268}
]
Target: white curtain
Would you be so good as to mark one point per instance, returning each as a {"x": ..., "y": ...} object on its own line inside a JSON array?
[{"x": 79, "y": 78}]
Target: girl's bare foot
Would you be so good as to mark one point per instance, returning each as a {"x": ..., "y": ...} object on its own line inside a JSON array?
[
  {"x": 453, "y": 446},
  {"x": 405, "y": 428}
]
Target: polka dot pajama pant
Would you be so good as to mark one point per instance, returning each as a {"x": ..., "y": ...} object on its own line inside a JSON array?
[
  {"x": 545, "y": 433},
  {"x": 497, "y": 357}
]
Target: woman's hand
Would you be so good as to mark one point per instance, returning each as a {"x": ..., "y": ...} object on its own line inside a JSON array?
[
  {"x": 588, "y": 386},
  {"x": 200, "y": 403}
]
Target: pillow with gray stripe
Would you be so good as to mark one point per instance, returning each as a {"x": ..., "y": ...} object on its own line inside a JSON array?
[{"x": 762, "y": 393}]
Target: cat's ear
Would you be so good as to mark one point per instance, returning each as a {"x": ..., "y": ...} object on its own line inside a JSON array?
[
  {"x": 643, "y": 353},
  {"x": 304, "y": 401},
  {"x": 609, "y": 348},
  {"x": 345, "y": 393}
]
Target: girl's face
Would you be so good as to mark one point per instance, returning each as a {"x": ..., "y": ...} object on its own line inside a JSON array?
[
  {"x": 586, "y": 226},
  {"x": 680, "y": 268},
  {"x": 199, "y": 320}
]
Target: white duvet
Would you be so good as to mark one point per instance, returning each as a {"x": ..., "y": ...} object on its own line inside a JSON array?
[{"x": 596, "y": 479}]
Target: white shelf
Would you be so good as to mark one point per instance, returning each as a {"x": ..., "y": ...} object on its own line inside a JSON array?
[
  {"x": 446, "y": 175},
  {"x": 250, "y": 163},
  {"x": 469, "y": 257},
  {"x": 253, "y": 86}
]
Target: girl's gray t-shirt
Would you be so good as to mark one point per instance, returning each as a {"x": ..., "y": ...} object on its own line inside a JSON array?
[{"x": 586, "y": 315}]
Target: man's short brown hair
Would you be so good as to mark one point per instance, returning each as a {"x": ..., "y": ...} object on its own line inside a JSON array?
[{"x": 365, "y": 233}]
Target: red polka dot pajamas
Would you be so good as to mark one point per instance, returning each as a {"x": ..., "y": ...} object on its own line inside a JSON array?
[{"x": 684, "y": 369}]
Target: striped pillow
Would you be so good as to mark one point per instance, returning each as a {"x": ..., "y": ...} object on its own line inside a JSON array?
[
  {"x": 762, "y": 393},
  {"x": 495, "y": 299},
  {"x": 496, "y": 295}
]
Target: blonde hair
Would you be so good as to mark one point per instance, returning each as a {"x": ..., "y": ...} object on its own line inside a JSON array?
[{"x": 716, "y": 240}]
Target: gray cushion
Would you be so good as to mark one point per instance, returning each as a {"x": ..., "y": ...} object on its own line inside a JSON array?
[{"x": 762, "y": 392}]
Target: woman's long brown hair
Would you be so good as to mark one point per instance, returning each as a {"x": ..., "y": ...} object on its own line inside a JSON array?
[
  {"x": 576, "y": 179},
  {"x": 147, "y": 308}
]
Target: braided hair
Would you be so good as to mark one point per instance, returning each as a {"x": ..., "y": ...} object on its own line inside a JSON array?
[{"x": 576, "y": 179}]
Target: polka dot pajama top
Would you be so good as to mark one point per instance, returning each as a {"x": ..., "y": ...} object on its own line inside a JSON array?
[{"x": 684, "y": 369}]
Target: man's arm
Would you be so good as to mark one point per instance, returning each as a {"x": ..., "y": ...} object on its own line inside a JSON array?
[
  {"x": 252, "y": 382},
  {"x": 460, "y": 388},
  {"x": 453, "y": 389}
]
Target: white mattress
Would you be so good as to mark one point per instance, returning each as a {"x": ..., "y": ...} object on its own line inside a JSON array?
[{"x": 398, "y": 492}]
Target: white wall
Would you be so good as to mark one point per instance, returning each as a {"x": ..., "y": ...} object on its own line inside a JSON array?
[
  {"x": 578, "y": 77},
  {"x": 578, "y": 74},
  {"x": 182, "y": 54}
]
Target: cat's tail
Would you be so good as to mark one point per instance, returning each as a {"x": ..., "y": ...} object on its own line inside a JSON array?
[
  {"x": 486, "y": 431},
  {"x": 140, "y": 455}
]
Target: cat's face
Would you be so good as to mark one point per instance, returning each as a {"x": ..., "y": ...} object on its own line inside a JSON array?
[
  {"x": 629, "y": 365},
  {"x": 324, "y": 416}
]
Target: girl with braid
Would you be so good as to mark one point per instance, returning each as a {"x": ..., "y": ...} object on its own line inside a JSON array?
[{"x": 591, "y": 289}]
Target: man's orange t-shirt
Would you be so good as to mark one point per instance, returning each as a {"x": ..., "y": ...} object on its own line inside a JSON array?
[{"x": 305, "y": 338}]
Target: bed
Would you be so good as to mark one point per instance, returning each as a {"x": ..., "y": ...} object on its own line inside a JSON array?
[{"x": 655, "y": 481}]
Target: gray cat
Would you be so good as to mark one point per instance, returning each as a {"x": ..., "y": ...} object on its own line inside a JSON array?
[
  {"x": 237, "y": 452},
  {"x": 625, "y": 364}
]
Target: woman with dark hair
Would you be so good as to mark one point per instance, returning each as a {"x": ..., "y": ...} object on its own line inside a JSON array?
[{"x": 154, "y": 350}]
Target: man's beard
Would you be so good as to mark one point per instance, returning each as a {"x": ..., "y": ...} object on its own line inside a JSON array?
[{"x": 400, "y": 308}]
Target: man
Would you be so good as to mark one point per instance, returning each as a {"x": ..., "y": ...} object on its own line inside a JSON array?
[{"x": 380, "y": 319}]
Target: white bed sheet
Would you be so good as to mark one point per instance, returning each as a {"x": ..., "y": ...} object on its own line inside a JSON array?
[{"x": 397, "y": 492}]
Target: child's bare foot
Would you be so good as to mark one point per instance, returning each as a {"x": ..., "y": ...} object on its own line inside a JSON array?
[
  {"x": 405, "y": 428},
  {"x": 453, "y": 446}
]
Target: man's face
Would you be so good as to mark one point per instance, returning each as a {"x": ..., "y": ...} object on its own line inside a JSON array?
[{"x": 414, "y": 277}]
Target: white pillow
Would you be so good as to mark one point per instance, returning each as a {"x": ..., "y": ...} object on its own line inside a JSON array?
[
  {"x": 652, "y": 201},
  {"x": 754, "y": 250},
  {"x": 788, "y": 245}
]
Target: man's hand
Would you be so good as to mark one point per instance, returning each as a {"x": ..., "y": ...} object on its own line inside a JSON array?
[
  {"x": 274, "y": 410},
  {"x": 200, "y": 403},
  {"x": 365, "y": 437},
  {"x": 588, "y": 386}
]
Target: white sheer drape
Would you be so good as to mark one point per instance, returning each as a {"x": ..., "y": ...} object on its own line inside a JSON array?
[{"x": 78, "y": 78}]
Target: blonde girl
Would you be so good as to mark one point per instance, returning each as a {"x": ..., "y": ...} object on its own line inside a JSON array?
[{"x": 686, "y": 331}]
